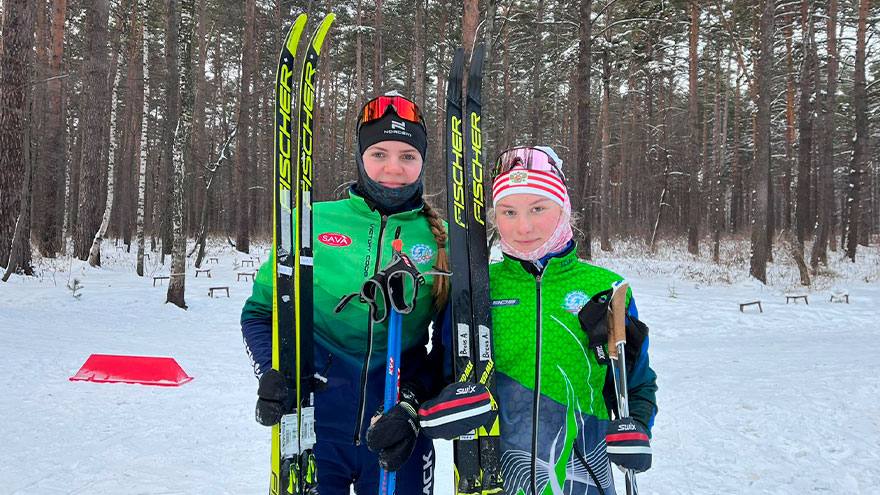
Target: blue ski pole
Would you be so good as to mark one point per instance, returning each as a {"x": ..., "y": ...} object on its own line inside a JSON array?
[{"x": 392, "y": 378}]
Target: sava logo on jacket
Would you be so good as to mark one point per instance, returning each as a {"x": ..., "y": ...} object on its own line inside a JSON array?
[{"x": 334, "y": 239}]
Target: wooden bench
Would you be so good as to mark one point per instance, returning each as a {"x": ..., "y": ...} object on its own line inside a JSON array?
[
  {"x": 840, "y": 296},
  {"x": 160, "y": 277},
  {"x": 206, "y": 271},
  {"x": 249, "y": 263},
  {"x": 212, "y": 290},
  {"x": 239, "y": 275},
  {"x": 743, "y": 305},
  {"x": 146, "y": 256},
  {"x": 120, "y": 248},
  {"x": 213, "y": 259},
  {"x": 795, "y": 297}
]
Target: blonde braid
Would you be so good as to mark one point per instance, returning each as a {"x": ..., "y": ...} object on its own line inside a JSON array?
[{"x": 440, "y": 290}]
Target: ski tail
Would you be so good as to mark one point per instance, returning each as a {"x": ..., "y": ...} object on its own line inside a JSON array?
[{"x": 478, "y": 268}]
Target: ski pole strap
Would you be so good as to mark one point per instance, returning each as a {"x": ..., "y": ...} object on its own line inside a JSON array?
[
  {"x": 593, "y": 320},
  {"x": 397, "y": 284},
  {"x": 374, "y": 293}
]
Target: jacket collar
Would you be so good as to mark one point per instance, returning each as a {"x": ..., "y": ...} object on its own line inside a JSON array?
[
  {"x": 560, "y": 262},
  {"x": 363, "y": 206}
]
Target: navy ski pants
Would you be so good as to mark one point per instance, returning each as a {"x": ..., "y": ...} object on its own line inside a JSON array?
[{"x": 342, "y": 465}]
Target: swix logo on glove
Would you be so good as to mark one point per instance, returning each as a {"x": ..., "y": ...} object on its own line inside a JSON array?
[
  {"x": 334, "y": 239},
  {"x": 465, "y": 390}
]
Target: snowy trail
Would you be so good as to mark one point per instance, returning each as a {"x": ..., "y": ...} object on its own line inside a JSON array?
[{"x": 783, "y": 402}]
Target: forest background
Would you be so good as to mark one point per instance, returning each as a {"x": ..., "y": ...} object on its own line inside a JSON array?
[{"x": 149, "y": 122}]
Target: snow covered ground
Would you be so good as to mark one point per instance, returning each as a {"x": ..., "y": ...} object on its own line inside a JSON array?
[{"x": 779, "y": 402}]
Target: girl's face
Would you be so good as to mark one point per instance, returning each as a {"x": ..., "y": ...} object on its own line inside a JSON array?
[
  {"x": 526, "y": 221},
  {"x": 393, "y": 163}
]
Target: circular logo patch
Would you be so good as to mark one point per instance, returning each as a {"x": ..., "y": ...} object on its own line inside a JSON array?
[
  {"x": 334, "y": 239},
  {"x": 574, "y": 301},
  {"x": 421, "y": 253}
]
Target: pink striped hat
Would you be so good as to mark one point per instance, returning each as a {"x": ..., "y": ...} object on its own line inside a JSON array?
[{"x": 522, "y": 181}]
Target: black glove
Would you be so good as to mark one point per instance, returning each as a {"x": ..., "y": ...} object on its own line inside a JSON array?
[
  {"x": 594, "y": 321},
  {"x": 392, "y": 435},
  {"x": 459, "y": 409},
  {"x": 628, "y": 445},
  {"x": 272, "y": 401}
]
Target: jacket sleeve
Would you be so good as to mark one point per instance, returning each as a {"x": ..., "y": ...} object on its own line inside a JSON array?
[
  {"x": 641, "y": 379},
  {"x": 256, "y": 320}
]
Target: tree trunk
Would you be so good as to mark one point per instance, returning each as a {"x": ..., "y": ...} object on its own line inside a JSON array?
[
  {"x": 91, "y": 150},
  {"x": 46, "y": 224},
  {"x": 803, "y": 221},
  {"x": 761, "y": 168},
  {"x": 242, "y": 153},
  {"x": 171, "y": 117},
  {"x": 182, "y": 149},
  {"x": 718, "y": 138},
  {"x": 736, "y": 194},
  {"x": 789, "y": 126},
  {"x": 418, "y": 54},
  {"x": 860, "y": 140},
  {"x": 825, "y": 167},
  {"x": 605, "y": 168},
  {"x": 537, "y": 74},
  {"x": 144, "y": 88},
  {"x": 359, "y": 54},
  {"x": 95, "y": 249},
  {"x": 177, "y": 280},
  {"x": 585, "y": 47},
  {"x": 20, "y": 254},
  {"x": 377, "y": 49},
  {"x": 17, "y": 42},
  {"x": 693, "y": 203}
]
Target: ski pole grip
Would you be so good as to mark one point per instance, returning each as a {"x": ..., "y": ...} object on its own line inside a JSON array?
[
  {"x": 617, "y": 327},
  {"x": 397, "y": 245}
]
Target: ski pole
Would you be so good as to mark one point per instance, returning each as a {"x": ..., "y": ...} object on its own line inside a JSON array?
[
  {"x": 616, "y": 347},
  {"x": 392, "y": 377}
]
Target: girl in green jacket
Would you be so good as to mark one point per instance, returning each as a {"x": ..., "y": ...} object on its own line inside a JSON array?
[
  {"x": 556, "y": 398},
  {"x": 353, "y": 240}
]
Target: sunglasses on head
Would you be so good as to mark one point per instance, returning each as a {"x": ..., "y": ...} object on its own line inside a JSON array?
[
  {"x": 526, "y": 158},
  {"x": 376, "y": 108}
]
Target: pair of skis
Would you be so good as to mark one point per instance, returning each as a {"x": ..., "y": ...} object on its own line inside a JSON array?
[
  {"x": 292, "y": 460},
  {"x": 476, "y": 455}
]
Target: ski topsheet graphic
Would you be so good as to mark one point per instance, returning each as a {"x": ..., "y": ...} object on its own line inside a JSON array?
[
  {"x": 292, "y": 460},
  {"x": 476, "y": 455}
]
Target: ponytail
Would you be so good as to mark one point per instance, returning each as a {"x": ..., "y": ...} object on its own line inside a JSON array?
[{"x": 440, "y": 290}]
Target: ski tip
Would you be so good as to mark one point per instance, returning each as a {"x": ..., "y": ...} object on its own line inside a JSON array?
[
  {"x": 322, "y": 32},
  {"x": 475, "y": 74},
  {"x": 397, "y": 244},
  {"x": 479, "y": 55},
  {"x": 458, "y": 60},
  {"x": 456, "y": 73},
  {"x": 295, "y": 31}
]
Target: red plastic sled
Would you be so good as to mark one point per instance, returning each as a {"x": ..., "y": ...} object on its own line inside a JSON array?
[{"x": 145, "y": 370}]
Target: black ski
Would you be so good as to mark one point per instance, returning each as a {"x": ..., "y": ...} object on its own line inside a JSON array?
[
  {"x": 477, "y": 466},
  {"x": 293, "y": 462},
  {"x": 478, "y": 268}
]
